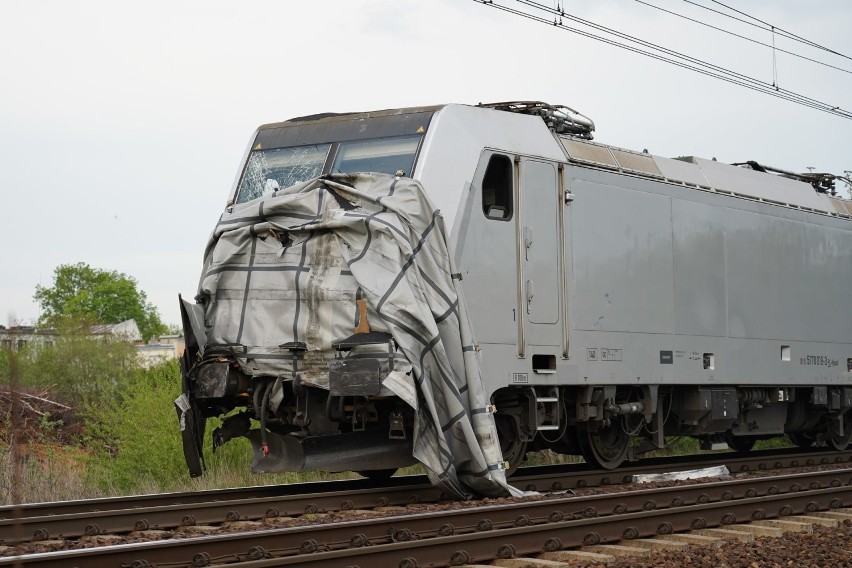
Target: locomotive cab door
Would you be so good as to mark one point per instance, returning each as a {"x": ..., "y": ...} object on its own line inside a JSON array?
[
  {"x": 508, "y": 250},
  {"x": 540, "y": 245},
  {"x": 538, "y": 253},
  {"x": 487, "y": 241}
]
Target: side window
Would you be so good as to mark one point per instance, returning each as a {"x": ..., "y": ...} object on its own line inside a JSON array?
[{"x": 497, "y": 188}]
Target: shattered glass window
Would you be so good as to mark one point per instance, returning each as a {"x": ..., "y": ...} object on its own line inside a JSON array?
[
  {"x": 287, "y": 166},
  {"x": 386, "y": 155}
]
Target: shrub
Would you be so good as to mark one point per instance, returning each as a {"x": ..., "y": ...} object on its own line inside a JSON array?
[
  {"x": 135, "y": 432},
  {"x": 78, "y": 368},
  {"x": 139, "y": 442}
]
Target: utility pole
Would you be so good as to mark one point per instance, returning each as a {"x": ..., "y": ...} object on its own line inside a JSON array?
[{"x": 17, "y": 477}]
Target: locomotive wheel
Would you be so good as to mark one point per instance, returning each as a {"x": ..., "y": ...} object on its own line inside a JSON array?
[
  {"x": 377, "y": 474},
  {"x": 740, "y": 443},
  {"x": 604, "y": 447},
  {"x": 841, "y": 442},
  {"x": 513, "y": 447},
  {"x": 513, "y": 452}
]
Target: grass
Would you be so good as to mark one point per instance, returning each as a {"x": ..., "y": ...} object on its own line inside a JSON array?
[
  {"x": 43, "y": 473},
  {"x": 47, "y": 473}
]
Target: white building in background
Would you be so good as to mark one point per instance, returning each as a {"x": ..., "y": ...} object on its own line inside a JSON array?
[
  {"x": 155, "y": 351},
  {"x": 126, "y": 330},
  {"x": 20, "y": 336},
  {"x": 161, "y": 349}
]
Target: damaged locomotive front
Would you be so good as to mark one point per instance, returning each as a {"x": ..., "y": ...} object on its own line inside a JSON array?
[
  {"x": 317, "y": 401},
  {"x": 305, "y": 426},
  {"x": 302, "y": 426},
  {"x": 330, "y": 332}
]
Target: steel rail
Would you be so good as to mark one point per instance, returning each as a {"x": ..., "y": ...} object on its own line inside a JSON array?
[
  {"x": 526, "y": 475},
  {"x": 119, "y": 518},
  {"x": 571, "y": 521},
  {"x": 524, "y": 541}
]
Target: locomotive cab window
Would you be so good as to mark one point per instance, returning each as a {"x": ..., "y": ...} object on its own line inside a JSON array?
[
  {"x": 497, "y": 188},
  {"x": 277, "y": 168},
  {"x": 284, "y": 166},
  {"x": 386, "y": 155}
]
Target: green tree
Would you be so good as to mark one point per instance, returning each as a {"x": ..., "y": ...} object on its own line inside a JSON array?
[{"x": 80, "y": 292}]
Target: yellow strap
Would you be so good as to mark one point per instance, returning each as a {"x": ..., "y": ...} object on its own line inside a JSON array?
[{"x": 363, "y": 326}]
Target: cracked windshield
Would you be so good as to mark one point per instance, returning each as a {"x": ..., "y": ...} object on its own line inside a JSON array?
[{"x": 287, "y": 166}]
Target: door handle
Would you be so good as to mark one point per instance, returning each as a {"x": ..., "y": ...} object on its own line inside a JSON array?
[{"x": 530, "y": 294}]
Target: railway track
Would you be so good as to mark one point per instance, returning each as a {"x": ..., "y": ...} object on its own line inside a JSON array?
[{"x": 329, "y": 533}]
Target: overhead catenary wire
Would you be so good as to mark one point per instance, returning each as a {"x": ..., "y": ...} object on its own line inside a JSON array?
[
  {"x": 765, "y": 26},
  {"x": 785, "y": 32},
  {"x": 743, "y": 37},
  {"x": 621, "y": 35},
  {"x": 789, "y": 95},
  {"x": 673, "y": 53},
  {"x": 774, "y": 61},
  {"x": 667, "y": 56}
]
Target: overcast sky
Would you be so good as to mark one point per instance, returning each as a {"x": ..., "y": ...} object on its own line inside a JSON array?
[{"x": 122, "y": 124}]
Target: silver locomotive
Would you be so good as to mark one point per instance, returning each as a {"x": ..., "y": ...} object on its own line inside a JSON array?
[{"x": 606, "y": 298}]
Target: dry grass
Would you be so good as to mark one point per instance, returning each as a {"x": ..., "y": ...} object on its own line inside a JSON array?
[
  {"x": 43, "y": 473},
  {"x": 53, "y": 473}
]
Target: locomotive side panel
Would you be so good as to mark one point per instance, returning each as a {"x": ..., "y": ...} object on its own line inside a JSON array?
[
  {"x": 700, "y": 268},
  {"x": 623, "y": 271},
  {"x": 665, "y": 277},
  {"x": 788, "y": 279}
]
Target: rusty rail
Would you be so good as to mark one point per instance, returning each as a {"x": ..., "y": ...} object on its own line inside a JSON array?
[
  {"x": 482, "y": 533},
  {"x": 574, "y": 475},
  {"x": 116, "y": 516}
]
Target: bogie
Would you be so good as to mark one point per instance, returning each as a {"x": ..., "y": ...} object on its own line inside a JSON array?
[{"x": 609, "y": 426}]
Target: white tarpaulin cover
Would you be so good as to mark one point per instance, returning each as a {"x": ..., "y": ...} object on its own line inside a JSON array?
[
  {"x": 713, "y": 471},
  {"x": 290, "y": 266}
]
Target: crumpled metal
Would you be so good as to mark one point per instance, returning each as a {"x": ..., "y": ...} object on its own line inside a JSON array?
[{"x": 290, "y": 266}]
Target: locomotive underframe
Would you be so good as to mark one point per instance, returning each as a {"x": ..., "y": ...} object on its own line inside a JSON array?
[
  {"x": 303, "y": 428},
  {"x": 608, "y": 424}
]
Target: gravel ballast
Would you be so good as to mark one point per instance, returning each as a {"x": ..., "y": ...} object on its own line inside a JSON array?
[{"x": 824, "y": 548}]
